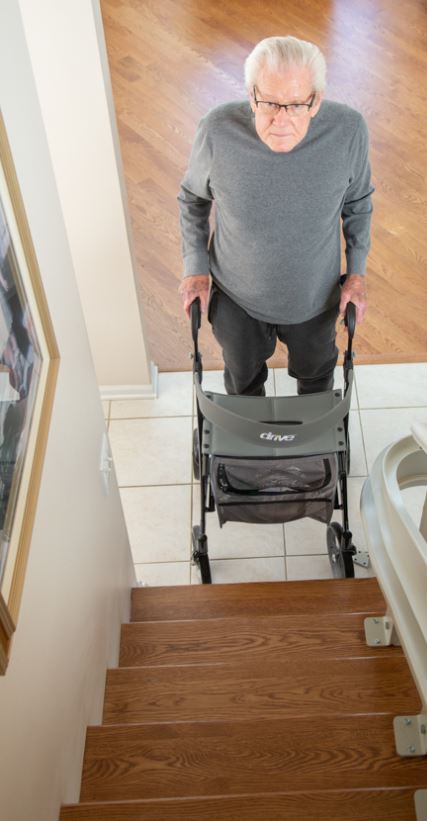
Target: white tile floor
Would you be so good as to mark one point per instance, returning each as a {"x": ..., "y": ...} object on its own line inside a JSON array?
[{"x": 151, "y": 441}]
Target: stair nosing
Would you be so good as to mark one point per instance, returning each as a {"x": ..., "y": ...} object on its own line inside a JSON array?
[
  {"x": 233, "y": 721},
  {"x": 365, "y": 612},
  {"x": 250, "y": 661},
  {"x": 327, "y": 791}
]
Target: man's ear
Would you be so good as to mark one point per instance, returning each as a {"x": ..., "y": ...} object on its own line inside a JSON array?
[
  {"x": 252, "y": 101},
  {"x": 317, "y": 103}
]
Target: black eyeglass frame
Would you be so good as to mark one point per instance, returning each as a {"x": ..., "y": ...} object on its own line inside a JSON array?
[{"x": 308, "y": 105}]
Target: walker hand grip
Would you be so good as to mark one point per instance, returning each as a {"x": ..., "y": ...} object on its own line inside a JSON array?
[
  {"x": 350, "y": 319},
  {"x": 196, "y": 318}
]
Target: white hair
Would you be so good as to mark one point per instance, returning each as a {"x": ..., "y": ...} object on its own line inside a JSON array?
[{"x": 277, "y": 53}]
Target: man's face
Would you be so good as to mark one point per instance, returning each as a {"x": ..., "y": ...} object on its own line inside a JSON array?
[{"x": 280, "y": 131}]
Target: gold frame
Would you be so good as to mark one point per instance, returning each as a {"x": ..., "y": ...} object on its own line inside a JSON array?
[{"x": 34, "y": 455}]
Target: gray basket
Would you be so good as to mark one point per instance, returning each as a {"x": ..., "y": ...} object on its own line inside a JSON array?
[{"x": 266, "y": 491}]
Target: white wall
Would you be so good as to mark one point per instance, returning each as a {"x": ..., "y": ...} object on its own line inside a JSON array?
[
  {"x": 67, "y": 51},
  {"x": 76, "y": 592}
]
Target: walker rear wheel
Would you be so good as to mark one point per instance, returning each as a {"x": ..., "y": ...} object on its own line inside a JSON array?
[{"x": 341, "y": 559}]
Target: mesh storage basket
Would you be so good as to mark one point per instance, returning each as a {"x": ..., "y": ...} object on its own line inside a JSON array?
[{"x": 267, "y": 491}]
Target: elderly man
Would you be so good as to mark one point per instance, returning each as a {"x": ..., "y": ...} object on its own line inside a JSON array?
[{"x": 285, "y": 170}]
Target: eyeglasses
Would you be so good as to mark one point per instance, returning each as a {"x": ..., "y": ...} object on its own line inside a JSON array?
[{"x": 293, "y": 109}]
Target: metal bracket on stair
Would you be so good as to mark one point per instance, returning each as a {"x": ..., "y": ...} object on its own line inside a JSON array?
[
  {"x": 380, "y": 631},
  {"x": 410, "y": 735},
  {"x": 421, "y": 805},
  {"x": 362, "y": 558}
]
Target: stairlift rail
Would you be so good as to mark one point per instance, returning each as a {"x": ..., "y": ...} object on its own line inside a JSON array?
[{"x": 398, "y": 547}]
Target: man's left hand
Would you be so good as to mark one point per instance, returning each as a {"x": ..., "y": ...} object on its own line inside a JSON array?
[{"x": 354, "y": 290}]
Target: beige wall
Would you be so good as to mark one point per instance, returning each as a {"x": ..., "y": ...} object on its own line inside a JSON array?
[
  {"x": 67, "y": 51},
  {"x": 76, "y": 592}
]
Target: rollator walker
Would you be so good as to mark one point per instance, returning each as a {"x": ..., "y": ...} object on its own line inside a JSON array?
[{"x": 265, "y": 460}]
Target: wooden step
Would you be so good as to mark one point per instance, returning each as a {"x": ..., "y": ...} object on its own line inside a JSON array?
[
  {"x": 257, "y": 599},
  {"x": 257, "y": 701},
  {"x": 361, "y": 805},
  {"x": 240, "y": 691},
  {"x": 228, "y": 758},
  {"x": 230, "y": 639}
]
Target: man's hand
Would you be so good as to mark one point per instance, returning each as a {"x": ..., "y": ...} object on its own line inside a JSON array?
[
  {"x": 193, "y": 287},
  {"x": 354, "y": 290}
]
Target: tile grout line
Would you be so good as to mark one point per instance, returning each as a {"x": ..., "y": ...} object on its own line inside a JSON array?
[
  {"x": 285, "y": 568},
  {"x": 232, "y": 559},
  {"x": 355, "y": 389},
  {"x": 189, "y": 415},
  {"x": 394, "y": 407},
  {"x": 150, "y": 418},
  {"x": 284, "y": 542},
  {"x": 164, "y": 484},
  {"x": 363, "y": 442},
  {"x": 354, "y": 476}
]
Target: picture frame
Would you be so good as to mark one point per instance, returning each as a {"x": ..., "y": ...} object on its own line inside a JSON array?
[{"x": 29, "y": 361}]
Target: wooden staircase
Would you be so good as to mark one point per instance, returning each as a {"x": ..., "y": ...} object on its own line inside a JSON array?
[{"x": 252, "y": 701}]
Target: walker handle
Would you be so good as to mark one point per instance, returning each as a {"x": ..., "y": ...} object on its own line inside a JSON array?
[
  {"x": 350, "y": 319},
  {"x": 196, "y": 318}
]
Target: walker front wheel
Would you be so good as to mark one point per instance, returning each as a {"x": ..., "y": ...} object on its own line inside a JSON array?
[
  {"x": 200, "y": 554},
  {"x": 205, "y": 570}
]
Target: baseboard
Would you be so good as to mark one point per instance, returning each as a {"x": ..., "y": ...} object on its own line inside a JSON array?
[{"x": 133, "y": 391}]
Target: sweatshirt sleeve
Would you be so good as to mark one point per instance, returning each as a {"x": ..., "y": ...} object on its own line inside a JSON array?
[
  {"x": 195, "y": 202},
  {"x": 357, "y": 207}
]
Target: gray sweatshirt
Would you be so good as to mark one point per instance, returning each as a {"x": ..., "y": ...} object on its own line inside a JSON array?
[{"x": 275, "y": 248}]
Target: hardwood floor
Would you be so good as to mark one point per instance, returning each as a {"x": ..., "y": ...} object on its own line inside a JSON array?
[{"x": 172, "y": 60}]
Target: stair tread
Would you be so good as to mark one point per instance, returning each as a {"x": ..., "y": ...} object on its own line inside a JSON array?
[
  {"x": 257, "y": 598},
  {"x": 169, "y": 760},
  {"x": 222, "y": 639},
  {"x": 340, "y": 805},
  {"x": 243, "y": 690}
]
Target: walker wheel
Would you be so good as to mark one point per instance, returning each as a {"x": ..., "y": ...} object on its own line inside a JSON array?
[
  {"x": 200, "y": 554},
  {"x": 196, "y": 454},
  {"x": 205, "y": 569},
  {"x": 341, "y": 559}
]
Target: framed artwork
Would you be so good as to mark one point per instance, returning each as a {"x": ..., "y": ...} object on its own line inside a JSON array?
[{"x": 28, "y": 367}]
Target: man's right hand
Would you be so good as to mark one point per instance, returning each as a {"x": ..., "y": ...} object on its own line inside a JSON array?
[{"x": 193, "y": 287}]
